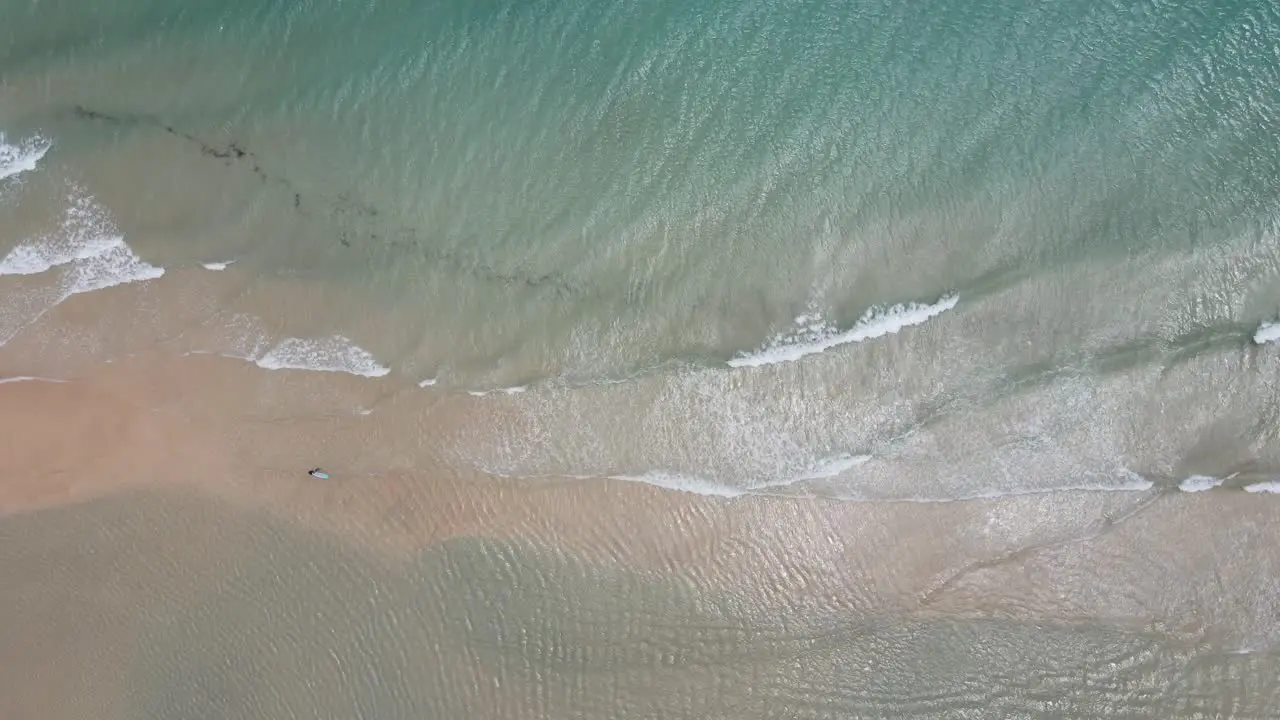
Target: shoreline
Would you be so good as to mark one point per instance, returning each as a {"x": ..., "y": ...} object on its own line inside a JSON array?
[{"x": 223, "y": 430}]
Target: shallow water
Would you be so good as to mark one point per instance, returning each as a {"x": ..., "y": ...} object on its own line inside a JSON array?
[
  {"x": 938, "y": 255},
  {"x": 236, "y": 615},
  {"x": 707, "y": 213}
]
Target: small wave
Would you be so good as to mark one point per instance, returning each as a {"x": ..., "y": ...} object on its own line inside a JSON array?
[
  {"x": 684, "y": 483},
  {"x": 1199, "y": 483},
  {"x": 1264, "y": 487},
  {"x": 216, "y": 266},
  {"x": 1267, "y": 332},
  {"x": 822, "y": 469},
  {"x": 29, "y": 378},
  {"x": 813, "y": 335},
  {"x": 23, "y": 157},
  {"x": 509, "y": 391},
  {"x": 1134, "y": 486},
  {"x": 246, "y": 339},
  {"x": 835, "y": 466},
  {"x": 89, "y": 244},
  {"x": 89, "y": 251},
  {"x": 331, "y": 354},
  {"x": 43, "y": 256},
  {"x": 428, "y": 382}
]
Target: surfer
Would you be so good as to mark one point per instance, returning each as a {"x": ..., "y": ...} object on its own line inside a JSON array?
[{"x": 318, "y": 473}]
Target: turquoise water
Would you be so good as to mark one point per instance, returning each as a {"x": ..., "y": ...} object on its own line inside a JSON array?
[
  {"x": 709, "y": 213},
  {"x": 786, "y": 237},
  {"x": 852, "y": 250}
]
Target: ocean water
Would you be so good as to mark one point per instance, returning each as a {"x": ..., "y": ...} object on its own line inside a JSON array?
[
  {"x": 252, "y": 618},
  {"x": 855, "y": 251},
  {"x": 782, "y": 237}
]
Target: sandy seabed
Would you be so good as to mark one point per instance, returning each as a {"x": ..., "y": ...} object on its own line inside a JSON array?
[{"x": 1199, "y": 571}]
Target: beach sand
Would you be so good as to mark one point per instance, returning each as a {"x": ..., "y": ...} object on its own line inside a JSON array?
[
  {"x": 156, "y": 509},
  {"x": 223, "y": 429}
]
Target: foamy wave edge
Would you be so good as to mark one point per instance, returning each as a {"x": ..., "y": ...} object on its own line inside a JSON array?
[
  {"x": 703, "y": 486},
  {"x": 514, "y": 390},
  {"x": 89, "y": 251},
  {"x": 1268, "y": 332},
  {"x": 29, "y": 378},
  {"x": 247, "y": 340},
  {"x": 1200, "y": 483},
  {"x": 875, "y": 322},
  {"x": 331, "y": 354},
  {"x": 23, "y": 157}
]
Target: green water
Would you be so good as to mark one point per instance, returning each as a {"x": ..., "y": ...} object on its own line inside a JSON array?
[
  {"x": 681, "y": 228},
  {"x": 600, "y": 187},
  {"x": 564, "y": 194}
]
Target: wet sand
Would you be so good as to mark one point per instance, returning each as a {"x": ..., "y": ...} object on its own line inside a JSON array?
[
  {"x": 227, "y": 430},
  {"x": 164, "y": 490}
]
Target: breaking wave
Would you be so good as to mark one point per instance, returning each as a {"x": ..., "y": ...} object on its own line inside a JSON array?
[
  {"x": 331, "y": 354},
  {"x": 87, "y": 250},
  {"x": 813, "y": 335},
  {"x": 22, "y": 157},
  {"x": 1267, "y": 332}
]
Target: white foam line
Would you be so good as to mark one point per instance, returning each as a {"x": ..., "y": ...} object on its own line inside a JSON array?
[
  {"x": 701, "y": 486},
  {"x": 332, "y": 354},
  {"x": 1200, "y": 483},
  {"x": 88, "y": 250},
  {"x": 683, "y": 483},
  {"x": 1267, "y": 332},
  {"x": 20, "y": 158},
  {"x": 833, "y": 467},
  {"x": 1264, "y": 487},
  {"x": 44, "y": 255},
  {"x": 1134, "y": 486},
  {"x": 428, "y": 382},
  {"x": 875, "y": 323},
  {"x": 509, "y": 391},
  {"x": 216, "y": 266},
  {"x": 29, "y": 378}
]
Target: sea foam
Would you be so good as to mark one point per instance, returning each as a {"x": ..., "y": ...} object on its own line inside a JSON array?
[
  {"x": 88, "y": 251},
  {"x": 90, "y": 247},
  {"x": 29, "y": 378},
  {"x": 1267, "y": 332},
  {"x": 832, "y": 467},
  {"x": 516, "y": 390},
  {"x": 22, "y": 157},
  {"x": 1199, "y": 483},
  {"x": 245, "y": 338},
  {"x": 332, "y": 354},
  {"x": 813, "y": 335},
  {"x": 829, "y": 468}
]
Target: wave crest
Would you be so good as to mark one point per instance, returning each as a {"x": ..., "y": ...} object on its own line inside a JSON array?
[
  {"x": 331, "y": 354},
  {"x": 23, "y": 157},
  {"x": 813, "y": 335}
]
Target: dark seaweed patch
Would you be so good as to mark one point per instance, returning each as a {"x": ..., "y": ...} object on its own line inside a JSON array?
[{"x": 348, "y": 214}]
